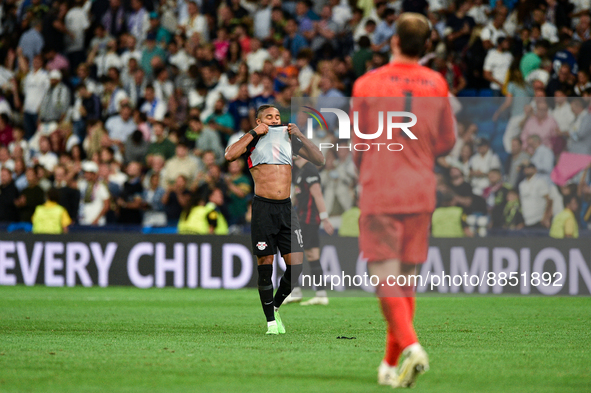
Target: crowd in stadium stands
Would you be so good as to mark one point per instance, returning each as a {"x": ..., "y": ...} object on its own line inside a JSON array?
[{"x": 126, "y": 106}]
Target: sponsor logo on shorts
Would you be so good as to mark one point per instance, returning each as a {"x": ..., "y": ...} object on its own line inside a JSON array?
[{"x": 261, "y": 245}]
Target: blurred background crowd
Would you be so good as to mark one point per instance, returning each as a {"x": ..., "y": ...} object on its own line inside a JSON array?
[{"x": 125, "y": 107}]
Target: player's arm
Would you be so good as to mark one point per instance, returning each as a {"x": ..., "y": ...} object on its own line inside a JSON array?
[
  {"x": 237, "y": 149},
  {"x": 447, "y": 131},
  {"x": 316, "y": 192},
  {"x": 303, "y": 147}
]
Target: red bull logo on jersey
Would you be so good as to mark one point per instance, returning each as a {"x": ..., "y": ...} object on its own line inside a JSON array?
[{"x": 388, "y": 120}]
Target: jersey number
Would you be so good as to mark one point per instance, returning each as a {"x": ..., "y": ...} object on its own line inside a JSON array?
[{"x": 298, "y": 233}]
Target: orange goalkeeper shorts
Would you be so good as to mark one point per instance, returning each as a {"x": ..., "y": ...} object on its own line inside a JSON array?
[{"x": 395, "y": 236}]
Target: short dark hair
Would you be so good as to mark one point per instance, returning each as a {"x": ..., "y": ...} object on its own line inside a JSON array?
[
  {"x": 364, "y": 42},
  {"x": 263, "y": 108},
  {"x": 388, "y": 12},
  {"x": 542, "y": 44},
  {"x": 53, "y": 195},
  {"x": 567, "y": 199},
  {"x": 413, "y": 32}
]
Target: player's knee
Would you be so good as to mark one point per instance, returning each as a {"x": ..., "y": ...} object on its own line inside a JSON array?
[
  {"x": 265, "y": 276},
  {"x": 265, "y": 260},
  {"x": 292, "y": 274}
]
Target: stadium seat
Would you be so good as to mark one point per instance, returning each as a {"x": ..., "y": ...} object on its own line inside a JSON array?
[
  {"x": 468, "y": 93},
  {"x": 159, "y": 230},
  {"x": 19, "y": 227},
  {"x": 486, "y": 93}
]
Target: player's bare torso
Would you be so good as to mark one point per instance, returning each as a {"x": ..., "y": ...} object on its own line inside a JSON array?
[{"x": 272, "y": 181}]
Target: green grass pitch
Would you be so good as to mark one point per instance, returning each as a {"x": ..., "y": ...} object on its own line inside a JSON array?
[{"x": 171, "y": 340}]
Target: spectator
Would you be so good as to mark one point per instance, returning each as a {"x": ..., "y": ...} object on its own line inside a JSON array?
[
  {"x": 163, "y": 87},
  {"x": 161, "y": 145},
  {"x": 495, "y": 196},
  {"x": 541, "y": 156},
  {"x": 516, "y": 163},
  {"x": 114, "y": 96},
  {"x": 581, "y": 32},
  {"x": 480, "y": 164},
  {"x": 31, "y": 42},
  {"x": 494, "y": 29},
  {"x": 512, "y": 217},
  {"x": 239, "y": 190},
  {"x": 151, "y": 54},
  {"x": 384, "y": 31},
  {"x": 138, "y": 21},
  {"x": 204, "y": 139},
  {"x": 361, "y": 58},
  {"x": 240, "y": 108},
  {"x": 56, "y": 101},
  {"x": 19, "y": 174},
  {"x": 564, "y": 224},
  {"x": 114, "y": 19},
  {"x": 31, "y": 197},
  {"x": 8, "y": 196},
  {"x": 68, "y": 196},
  {"x": 547, "y": 29},
  {"x": 541, "y": 124},
  {"x": 76, "y": 22},
  {"x": 130, "y": 201},
  {"x": 114, "y": 183},
  {"x": 496, "y": 65},
  {"x": 564, "y": 117},
  {"x": 257, "y": 56},
  {"x": 563, "y": 80},
  {"x": 5, "y": 160},
  {"x": 203, "y": 218},
  {"x": 582, "y": 84},
  {"x": 50, "y": 217},
  {"x": 459, "y": 26},
  {"x": 94, "y": 196},
  {"x": 196, "y": 23},
  {"x": 45, "y": 157},
  {"x": 152, "y": 107},
  {"x": 55, "y": 61},
  {"x": 176, "y": 198},
  {"x": 36, "y": 85},
  {"x": 136, "y": 148},
  {"x": 326, "y": 32},
  {"x": 517, "y": 97},
  {"x": 262, "y": 20},
  {"x": 221, "y": 120},
  {"x": 478, "y": 11},
  {"x": 293, "y": 41},
  {"x": 153, "y": 194},
  {"x": 68, "y": 139},
  {"x": 463, "y": 195},
  {"x": 19, "y": 142},
  {"x": 533, "y": 59},
  {"x": 535, "y": 199},
  {"x": 449, "y": 221},
  {"x": 104, "y": 60},
  {"x": 180, "y": 164},
  {"x": 580, "y": 139},
  {"x": 163, "y": 36},
  {"x": 121, "y": 126},
  {"x": 6, "y": 136},
  {"x": 567, "y": 56}
]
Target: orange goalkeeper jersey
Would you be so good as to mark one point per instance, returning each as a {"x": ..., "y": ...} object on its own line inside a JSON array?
[{"x": 401, "y": 182}]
